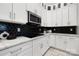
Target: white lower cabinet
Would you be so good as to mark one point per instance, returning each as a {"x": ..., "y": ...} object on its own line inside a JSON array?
[
  {"x": 12, "y": 51},
  {"x": 66, "y": 43},
  {"x": 37, "y": 47},
  {"x": 73, "y": 45},
  {"x": 40, "y": 46},
  {"x": 24, "y": 49},
  {"x": 5, "y": 53},
  {"x": 61, "y": 42},
  {"x": 44, "y": 44},
  {"x": 52, "y": 41},
  {"x": 26, "y": 52}
]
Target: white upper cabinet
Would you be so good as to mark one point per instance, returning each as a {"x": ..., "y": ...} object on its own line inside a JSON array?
[
  {"x": 5, "y": 11},
  {"x": 53, "y": 18},
  {"x": 13, "y": 12},
  {"x": 19, "y": 12},
  {"x": 59, "y": 14},
  {"x": 69, "y": 14},
  {"x": 30, "y": 7},
  {"x": 63, "y": 14},
  {"x": 49, "y": 19},
  {"x": 73, "y": 14},
  {"x": 38, "y": 8},
  {"x": 54, "y": 15},
  {"x": 33, "y": 7},
  {"x": 43, "y": 17},
  {"x": 59, "y": 17},
  {"x": 65, "y": 20}
]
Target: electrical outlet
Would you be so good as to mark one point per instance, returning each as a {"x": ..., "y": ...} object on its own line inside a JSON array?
[
  {"x": 18, "y": 29},
  {"x": 71, "y": 29}
]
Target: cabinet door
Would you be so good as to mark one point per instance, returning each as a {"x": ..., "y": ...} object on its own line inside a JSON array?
[
  {"x": 20, "y": 13},
  {"x": 61, "y": 42},
  {"x": 36, "y": 47},
  {"x": 44, "y": 44},
  {"x": 73, "y": 14},
  {"x": 73, "y": 45},
  {"x": 26, "y": 49},
  {"x": 59, "y": 17},
  {"x": 53, "y": 18},
  {"x": 52, "y": 41},
  {"x": 5, "y": 11},
  {"x": 44, "y": 17},
  {"x": 65, "y": 16},
  {"x": 49, "y": 19},
  {"x": 39, "y": 9}
]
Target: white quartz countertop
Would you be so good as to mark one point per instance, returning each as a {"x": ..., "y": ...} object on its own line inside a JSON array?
[
  {"x": 9, "y": 43},
  {"x": 4, "y": 44}
]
